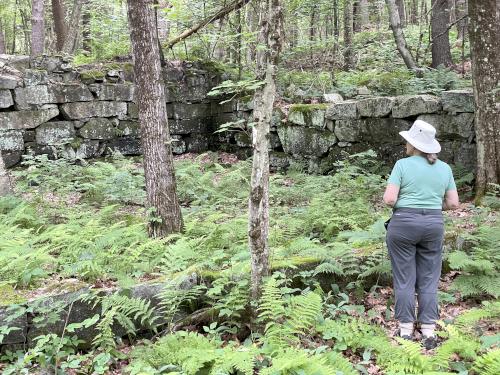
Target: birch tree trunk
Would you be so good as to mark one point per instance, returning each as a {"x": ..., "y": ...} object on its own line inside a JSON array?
[
  {"x": 155, "y": 137},
  {"x": 440, "y": 17},
  {"x": 399, "y": 36},
  {"x": 37, "y": 28},
  {"x": 270, "y": 35},
  {"x": 484, "y": 33},
  {"x": 5, "y": 185},
  {"x": 58, "y": 15}
]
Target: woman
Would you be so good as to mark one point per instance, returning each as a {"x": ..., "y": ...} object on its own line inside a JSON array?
[{"x": 419, "y": 188}]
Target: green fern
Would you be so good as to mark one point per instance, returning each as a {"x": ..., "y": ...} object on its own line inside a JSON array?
[{"x": 488, "y": 363}]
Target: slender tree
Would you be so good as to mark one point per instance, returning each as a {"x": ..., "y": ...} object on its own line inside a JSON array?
[
  {"x": 155, "y": 137},
  {"x": 440, "y": 17},
  {"x": 37, "y": 28},
  {"x": 484, "y": 33},
  {"x": 59, "y": 23},
  {"x": 461, "y": 16},
  {"x": 402, "y": 12},
  {"x": 270, "y": 36},
  {"x": 86, "y": 34},
  {"x": 399, "y": 36},
  {"x": 74, "y": 28},
  {"x": 348, "y": 35}
]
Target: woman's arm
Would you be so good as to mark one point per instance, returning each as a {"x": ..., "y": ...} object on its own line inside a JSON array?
[
  {"x": 391, "y": 194},
  {"x": 450, "y": 201}
]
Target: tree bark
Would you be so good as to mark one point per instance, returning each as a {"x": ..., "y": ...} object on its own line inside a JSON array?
[
  {"x": 37, "y": 28},
  {"x": 414, "y": 12},
  {"x": 58, "y": 15},
  {"x": 356, "y": 27},
  {"x": 270, "y": 35},
  {"x": 348, "y": 31},
  {"x": 70, "y": 44},
  {"x": 86, "y": 32},
  {"x": 399, "y": 36},
  {"x": 336, "y": 31},
  {"x": 484, "y": 34},
  {"x": 440, "y": 17},
  {"x": 159, "y": 172},
  {"x": 401, "y": 11},
  {"x": 364, "y": 12},
  {"x": 460, "y": 12},
  {"x": 2, "y": 39},
  {"x": 5, "y": 184}
]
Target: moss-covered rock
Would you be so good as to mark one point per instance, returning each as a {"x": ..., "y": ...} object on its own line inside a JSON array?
[{"x": 304, "y": 141}]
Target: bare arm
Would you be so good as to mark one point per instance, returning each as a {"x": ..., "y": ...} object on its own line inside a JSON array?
[
  {"x": 391, "y": 194},
  {"x": 450, "y": 201}
]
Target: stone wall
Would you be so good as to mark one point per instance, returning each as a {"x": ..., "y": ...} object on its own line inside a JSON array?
[{"x": 46, "y": 106}]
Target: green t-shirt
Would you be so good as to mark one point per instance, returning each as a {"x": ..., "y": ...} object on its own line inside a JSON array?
[{"x": 421, "y": 185}]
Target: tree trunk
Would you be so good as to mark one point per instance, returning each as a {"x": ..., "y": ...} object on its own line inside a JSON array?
[
  {"x": 399, "y": 36},
  {"x": 70, "y": 44},
  {"x": 336, "y": 31},
  {"x": 401, "y": 12},
  {"x": 270, "y": 35},
  {"x": 440, "y": 17},
  {"x": 364, "y": 12},
  {"x": 37, "y": 28},
  {"x": 159, "y": 173},
  {"x": 414, "y": 12},
  {"x": 484, "y": 34},
  {"x": 356, "y": 27},
  {"x": 59, "y": 23},
  {"x": 348, "y": 31},
  {"x": 2, "y": 39},
  {"x": 461, "y": 12},
  {"x": 5, "y": 184},
  {"x": 86, "y": 32}
]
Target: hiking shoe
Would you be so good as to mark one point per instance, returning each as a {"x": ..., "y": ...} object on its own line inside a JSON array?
[
  {"x": 429, "y": 342},
  {"x": 406, "y": 337}
]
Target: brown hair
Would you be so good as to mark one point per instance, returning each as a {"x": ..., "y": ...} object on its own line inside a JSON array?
[{"x": 431, "y": 158}]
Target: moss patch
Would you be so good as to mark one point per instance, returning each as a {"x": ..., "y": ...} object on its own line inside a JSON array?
[{"x": 9, "y": 296}]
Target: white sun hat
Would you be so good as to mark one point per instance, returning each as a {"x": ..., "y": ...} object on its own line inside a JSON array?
[{"x": 422, "y": 136}]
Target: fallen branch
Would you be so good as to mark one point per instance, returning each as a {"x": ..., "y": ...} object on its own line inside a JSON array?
[{"x": 235, "y": 5}]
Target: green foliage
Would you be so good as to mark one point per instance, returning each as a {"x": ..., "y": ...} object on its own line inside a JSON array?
[{"x": 479, "y": 266}]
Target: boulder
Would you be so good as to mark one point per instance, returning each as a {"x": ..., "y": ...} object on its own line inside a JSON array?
[
  {"x": 27, "y": 97},
  {"x": 188, "y": 111},
  {"x": 82, "y": 149},
  {"x": 307, "y": 115},
  {"x": 9, "y": 81},
  {"x": 18, "y": 62},
  {"x": 33, "y": 77},
  {"x": 372, "y": 130},
  {"x": 332, "y": 98},
  {"x": 27, "y": 119},
  {"x": 178, "y": 145},
  {"x": 451, "y": 126},
  {"x": 98, "y": 128},
  {"x": 455, "y": 101},
  {"x": 82, "y": 110},
  {"x": 55, "y": 133},
  {"x": 303, "y": 141},
  {"x": 342, "y": 110},
  {"x": 132, "y": 111},
  {"x": 126, "y": 145},
  {"x": 128, "y": 128},
  {"x": 11, "y": 158},
  {"x": 278, "y": 161},
  {"x": 243, "y": 139},
  {"x": 411, "y": 105},
  {"x": 6, "y": 100},
  {"x": 375, "y": 107},
  {"x": 118, "y": 92},
  {"x": 11, "y": 140}
]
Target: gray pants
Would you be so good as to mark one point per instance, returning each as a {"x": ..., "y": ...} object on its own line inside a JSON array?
[{"x": 415, "y": 240}]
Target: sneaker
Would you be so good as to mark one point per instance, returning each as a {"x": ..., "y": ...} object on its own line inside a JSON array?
[
  {"x": 429, "y": 342},
  {"x": 406, "y": 337}
]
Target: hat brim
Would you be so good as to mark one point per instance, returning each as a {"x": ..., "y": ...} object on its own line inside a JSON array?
[{"x": 432, "y": 148}]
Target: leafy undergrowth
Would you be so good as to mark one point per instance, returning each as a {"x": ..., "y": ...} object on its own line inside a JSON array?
[{"x": 326, "y": 310}]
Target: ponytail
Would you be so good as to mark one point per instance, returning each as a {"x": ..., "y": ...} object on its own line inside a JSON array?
[{"x": 431, "y": 158}]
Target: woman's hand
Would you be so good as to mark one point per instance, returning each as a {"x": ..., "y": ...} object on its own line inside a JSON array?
[{"x": 391, "y": 194}]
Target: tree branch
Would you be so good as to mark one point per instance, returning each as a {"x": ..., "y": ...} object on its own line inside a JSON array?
[{"x": 237, "y": 4}]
